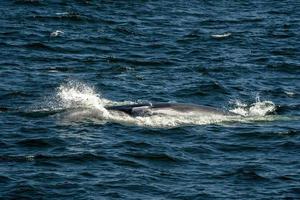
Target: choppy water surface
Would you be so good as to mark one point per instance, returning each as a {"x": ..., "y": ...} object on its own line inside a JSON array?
[{"x": 62, "y": 62}]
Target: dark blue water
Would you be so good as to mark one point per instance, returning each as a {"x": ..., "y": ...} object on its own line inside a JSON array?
[{"x": 62, "y": 61}]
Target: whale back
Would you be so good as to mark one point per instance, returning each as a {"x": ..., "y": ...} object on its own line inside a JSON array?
[{"x": 167, "y": 109}]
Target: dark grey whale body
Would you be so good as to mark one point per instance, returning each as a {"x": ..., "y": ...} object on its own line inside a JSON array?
[{"x": 148, "y": 109}]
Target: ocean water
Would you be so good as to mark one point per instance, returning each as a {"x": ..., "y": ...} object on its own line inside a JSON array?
[{"x": 62, "y": 62}]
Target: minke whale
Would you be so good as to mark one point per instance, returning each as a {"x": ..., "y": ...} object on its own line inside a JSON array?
[{"x": 170, "y": 109}]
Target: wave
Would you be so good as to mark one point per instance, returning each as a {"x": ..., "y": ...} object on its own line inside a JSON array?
[
  {"x": 221, "y": 36},
  {"x": 79, "y": 102},
  {"x": 28, "y": 2}
]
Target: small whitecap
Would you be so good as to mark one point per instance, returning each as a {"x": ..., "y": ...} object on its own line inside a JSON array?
[
  {"x": 56, "y": 33},
  {"x": 30, "y": 158},
  {"x": 62, "y": 13},
  {"x": 224, "y": 35},
  {"x": 53, "y": 71},
  {"x": 289, "y": 93}
]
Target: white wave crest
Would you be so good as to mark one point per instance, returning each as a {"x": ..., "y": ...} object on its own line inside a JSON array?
[
  {"x": 56, "y": 33},
  {"x": 219, "y": 36}
]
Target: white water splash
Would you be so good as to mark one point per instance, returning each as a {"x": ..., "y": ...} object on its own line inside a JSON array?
[
  {"x": 78, "y": 95},
  {"x": 259, "y": 108}
]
